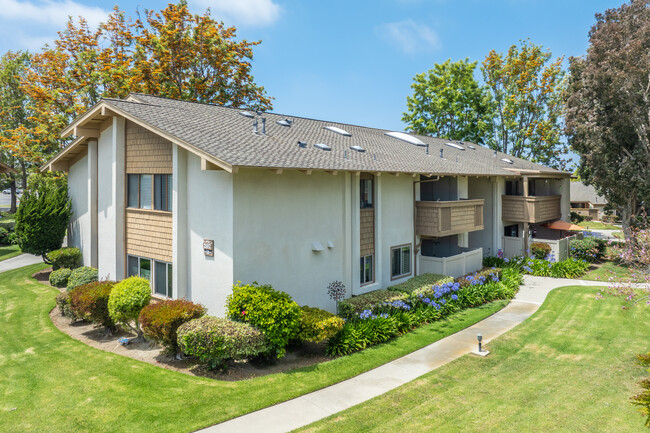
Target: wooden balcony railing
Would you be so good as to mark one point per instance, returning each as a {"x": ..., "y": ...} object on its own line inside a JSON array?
[
  {"x": 444, "y": 218},
  {"x": 533, "y": 209}
]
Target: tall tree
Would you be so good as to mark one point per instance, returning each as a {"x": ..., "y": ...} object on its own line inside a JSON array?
[
  {"x": 172, "y": 53},
  {"x": 608, "y": 108},
  {"x": 18, "y": 148},
  {"x": 528, "y": 90},
  {"x": 448, "y": 102}
]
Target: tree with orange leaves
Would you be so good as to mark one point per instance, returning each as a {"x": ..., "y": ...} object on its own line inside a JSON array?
[
  {"x": 528, "y": 90},
  {"x": 171, "y": 53}
]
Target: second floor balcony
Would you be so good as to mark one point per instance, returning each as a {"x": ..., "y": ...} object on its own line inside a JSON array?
[
  {"x": 445, "y": 218},
  {"x": 532, "y": 209}
]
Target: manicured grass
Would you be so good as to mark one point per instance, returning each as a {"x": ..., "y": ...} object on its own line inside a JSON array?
[
  {"x": 9, "y": 251},
  {"x": 595, "y": 225},
  {"x": 51, "y": 382},
  {"x": 568, "y": 368},
  {"x": 610, "y": 271}
]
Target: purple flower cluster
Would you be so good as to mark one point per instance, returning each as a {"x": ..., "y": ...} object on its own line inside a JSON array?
[{"x": 440, "y": 291}]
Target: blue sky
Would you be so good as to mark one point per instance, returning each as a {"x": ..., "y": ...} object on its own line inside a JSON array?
[{"x": 346, "y": 61}]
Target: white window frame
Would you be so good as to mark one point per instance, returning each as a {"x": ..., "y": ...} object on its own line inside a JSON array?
[
  {"x": 152, "y": 279},
  {"x": 363, "y": 273},
  {"x": 401, "y": 248}
]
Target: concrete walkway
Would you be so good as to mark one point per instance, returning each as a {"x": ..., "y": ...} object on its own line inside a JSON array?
[
  {"x": 314, "y": 406},
  {"x": 19, "y": 262}
]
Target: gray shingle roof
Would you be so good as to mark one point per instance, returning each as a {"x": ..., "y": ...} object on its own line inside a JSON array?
[
  {"x": 582, "y": 192},
  {"x": 225, "y": 134}
]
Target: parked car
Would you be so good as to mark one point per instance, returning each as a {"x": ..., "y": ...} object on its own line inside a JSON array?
[{"x": 7, "y": 191}]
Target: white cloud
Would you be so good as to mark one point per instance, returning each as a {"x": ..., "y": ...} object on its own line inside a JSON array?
[
  {"x": 50, "y": 12},
  {"x": 246, "y": 12},
  {"x": 409, "y": 36}
]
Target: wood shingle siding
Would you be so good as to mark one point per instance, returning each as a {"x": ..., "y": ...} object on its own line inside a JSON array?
[
  {"x": 149, "y": 234},
  {"x": 146, "y": 152},
  {"x": 367, "y": 229}
]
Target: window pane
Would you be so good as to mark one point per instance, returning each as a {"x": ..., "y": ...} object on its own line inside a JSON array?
[
  {"x": 145, "y": 191},
  {"x": 366, "y": 193},
  {"x": 159, "y": 191},
  {"x": 406, "y": 260},
  {"x": 145, "y": 268},
  {"x": 369, "y": 268},
  {"x": 395, "y": 262},
  {"x": 133, "y": 190},
  {"x": 170, "y": 189},
  {"x": 361, "y": 271},
  {"x": 169, "y": 280},
  {"x": 160, "y": 281},
  {"x": 132, "y": 268}
]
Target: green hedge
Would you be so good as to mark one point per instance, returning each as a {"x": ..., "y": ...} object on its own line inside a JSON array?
[
  {"x": 421, "y": 281},
  {"x": 589, "y": 248},
  {"x": 60, "y": 277},
  {"x": 83, "y": 275},
  {"x": 65, "y": 258},
  {"x": 215, "y": 341},
  {"x": 351, "y": 307},
  {"x": 271, "y": 311},
  {"x": 317, "y": 325}
]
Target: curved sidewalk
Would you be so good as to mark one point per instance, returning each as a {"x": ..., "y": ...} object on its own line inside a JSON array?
[{"x": 309, "y": 408}]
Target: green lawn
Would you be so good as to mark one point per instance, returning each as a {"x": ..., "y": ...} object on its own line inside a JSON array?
[
  {"x": 611, "y": 271},
  {"x": 569, "y": 368},
  {"x": 50, "y": 382},
  {"x": 8, "y": 251},
  {"x": 595, "y": 225}
]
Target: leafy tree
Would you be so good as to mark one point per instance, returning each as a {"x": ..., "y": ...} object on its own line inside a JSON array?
[
  {"x": 17, "y": 148},
  {"x": 43, "y": 216},
  {"x": 172, "y": 53},
  {"x": 528, "y": 90},
  {"x": 608, "y": 120},
  {"x": 448, "y": 102}
]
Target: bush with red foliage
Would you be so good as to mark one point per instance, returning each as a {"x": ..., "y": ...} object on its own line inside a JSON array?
[
  {"x": 90, "y": 301},
  {"x": 160, "y": 321}
]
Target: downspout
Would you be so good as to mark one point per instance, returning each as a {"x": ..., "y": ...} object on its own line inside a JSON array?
[{"x": 416, "y": 248}]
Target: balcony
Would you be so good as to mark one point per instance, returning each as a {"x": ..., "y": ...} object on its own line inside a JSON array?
[
  {"x": 533, "y": 209},
  {"x": 444, "y": 218}
]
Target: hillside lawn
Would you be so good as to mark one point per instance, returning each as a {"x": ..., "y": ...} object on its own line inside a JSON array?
[
  {"x": 568, "y": 368},
  {"x": 51, "y": 382}
]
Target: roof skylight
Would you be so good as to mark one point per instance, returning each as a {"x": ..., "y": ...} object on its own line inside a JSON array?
[
  {"x": 405, "y": 137},
  {"x": 506, "y": 160},
  {"x": 338, "y": 130},
  {"x": 322, "y": 146},
  {"x": 455, "y": 146},
  {"x": 247, "y": 114},
  {"x": 285, "y": 122},
  {"x": 358, "y": 148},
  {"x": 471, "y": 147}
]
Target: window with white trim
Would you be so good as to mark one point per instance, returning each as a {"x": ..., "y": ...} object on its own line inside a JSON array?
[
  {"x": 158, "y": 273},
  {"x": 367, "y": 269},
  {"x": 400, "y": 259}
]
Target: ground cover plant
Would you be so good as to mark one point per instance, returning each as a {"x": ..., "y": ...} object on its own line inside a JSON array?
[
  {"x": 546, "y": 267},
  {"x": 82, "y": 275},
  {"x": 36, "y": 356},
  {"x": 567, "y": 368},
  {"x": 385, "y": 317}
]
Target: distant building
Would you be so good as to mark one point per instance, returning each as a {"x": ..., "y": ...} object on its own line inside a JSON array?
[{"x": 585, "y": 201}]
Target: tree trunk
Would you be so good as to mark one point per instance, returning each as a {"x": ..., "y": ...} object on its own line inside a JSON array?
[
  {"x": 13, "y": 207},
  {"x": 627, "y": 213}
]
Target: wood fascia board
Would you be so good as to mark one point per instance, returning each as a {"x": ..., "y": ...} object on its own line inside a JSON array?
[
  {"x": 86, "y": 132},
  {"x": 198, "y": 152},
  {"x": 61, "y": 155},
  {"x": 69, "y": 130}
]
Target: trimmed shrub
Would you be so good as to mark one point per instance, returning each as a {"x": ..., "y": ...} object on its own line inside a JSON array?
[
  {"x": 421, "y": 281},
  {"x": 317, "y": 325},
  {"x": 589, "y": 248},
  {"x": 82, "y": 275},
  {"x": 4, "y": 236},
  {"x": 90, "y": 301},
  {"x": 63, "y": 302},
  {"x": 214, "y": 341},
  {"x": 351, "y": 307},
  {"x": 60, "y": 277},
  {"x": 576, "y": 218},
  {"x": 127, "y": 299},
  {"x": 540, "y": 250},
  {"x": 569, "y": 268},
  {"x": 161, "y": 320},
  {"x": 361, "y": 334},
  {"x": 65, "y": 258},
  {"x": 271, "y": 311}
]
